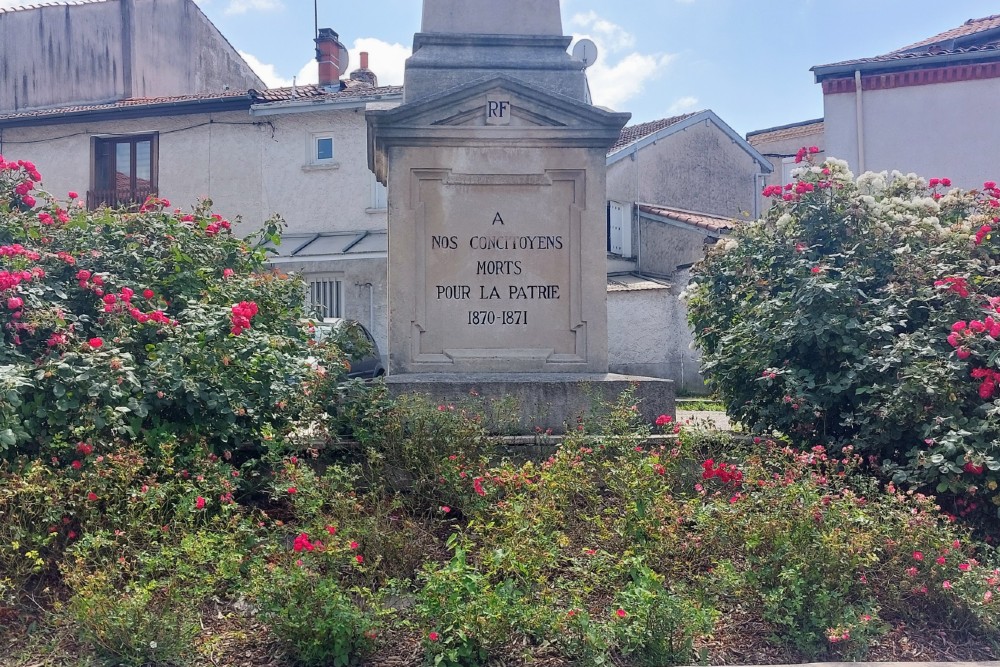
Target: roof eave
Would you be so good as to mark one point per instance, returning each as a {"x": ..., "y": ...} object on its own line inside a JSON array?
[
  {"x": 185, "y": 107},
  {"x": 843, "y": 70},
  {"x": 680, "y": 126},
  {"x": 684, "y": 225},
  {"x": 307, "y": 105}
]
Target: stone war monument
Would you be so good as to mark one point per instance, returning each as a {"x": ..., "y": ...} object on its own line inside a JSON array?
[{"x": 495, "y": 167}]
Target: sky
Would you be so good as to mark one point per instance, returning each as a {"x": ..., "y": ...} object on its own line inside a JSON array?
[{"x": 747, "y": 60}]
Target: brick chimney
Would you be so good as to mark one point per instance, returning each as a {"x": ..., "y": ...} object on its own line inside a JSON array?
[
  {"x": 363, "y": 73},
  {"x": 331, "y": 56}
]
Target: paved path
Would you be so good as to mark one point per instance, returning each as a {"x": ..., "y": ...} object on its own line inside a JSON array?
[{"x": 709, "y": 418}]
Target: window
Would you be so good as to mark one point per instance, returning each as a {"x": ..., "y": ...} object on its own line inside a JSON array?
[
  {"x": 380, "y": 196},
  {"x": 320, "y": 151},
  {"x": 788, "y": 165},
  {"x": 124, "y": 171},
  {"x": 325, "y": 297},
  {"x": 619, "y": 229},
  {"x": 324, "y": 148}
]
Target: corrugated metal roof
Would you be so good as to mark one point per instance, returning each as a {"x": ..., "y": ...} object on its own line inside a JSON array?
[{"x": 327, "y": 244}]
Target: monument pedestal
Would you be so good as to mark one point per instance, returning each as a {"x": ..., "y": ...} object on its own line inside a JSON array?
[
  {"x": 496, "y": 169},
  {"x": 542, "y": 401}
]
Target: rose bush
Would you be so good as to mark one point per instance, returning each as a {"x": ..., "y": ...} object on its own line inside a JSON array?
[
  {"x": 122, "y": 324},
  {"x": 865, "y": 311}
]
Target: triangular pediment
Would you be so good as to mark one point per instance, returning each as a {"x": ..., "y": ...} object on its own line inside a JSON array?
[{"x": 501, "y": 102}]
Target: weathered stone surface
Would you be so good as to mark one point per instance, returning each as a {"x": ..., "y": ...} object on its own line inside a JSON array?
[
  {"x": 490, "y": 17},
  {"x": 544, "y": 401},
  {"x": 497, "y": 232}
]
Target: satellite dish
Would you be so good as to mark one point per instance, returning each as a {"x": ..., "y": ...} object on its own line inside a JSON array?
[
  {"x": 585, "y": 51},
  {"x": 344, "y": 60}
]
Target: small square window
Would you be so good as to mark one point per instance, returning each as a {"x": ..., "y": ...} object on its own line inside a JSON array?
[{"x": 324, "y": 149}]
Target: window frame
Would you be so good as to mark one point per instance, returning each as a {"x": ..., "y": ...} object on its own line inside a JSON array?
[
  {"x": 97, "y": 197},
  {"x": 312, "y": 151},
  {"x": 338, "y": 293}
]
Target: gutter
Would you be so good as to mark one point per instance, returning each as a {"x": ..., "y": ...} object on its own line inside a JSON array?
[
  {"x": 840, "y": 71},
  {"x": 307, "y": 105},
  {"x": 184, "y": 107}
]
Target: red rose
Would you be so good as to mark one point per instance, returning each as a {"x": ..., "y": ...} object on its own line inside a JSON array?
[{"x": 96, "y": 342}]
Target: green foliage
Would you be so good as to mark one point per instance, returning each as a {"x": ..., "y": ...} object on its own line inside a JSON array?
[
  {"x": 121, "y": 324},
  {"x": 862, "y": 312},
  {"x": 656, "y": 627},
  {"x": 434, "y": 453},
  {"x": 135, "y": 627},
  {"x": 469, "y": 619},
  {"x": 315, "y": 619}
]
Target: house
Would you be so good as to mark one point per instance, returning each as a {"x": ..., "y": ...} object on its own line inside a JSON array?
[
  {"x": 101, "y": 51},
  {"x": 780, "y": 146},
  {"x": 674, "y": 185},
  {"x": 926, "y": 108},
  {"x": 300, "y": 152}
]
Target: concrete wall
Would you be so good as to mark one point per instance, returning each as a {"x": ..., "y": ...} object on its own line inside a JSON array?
[
  {"x": 698, "y": 169},
  {"x": 937, "y": 130},
  {"x": 664, "y": 247},
  {"x": 113, "y": 49},
  {"x": 649, "y": 335}
]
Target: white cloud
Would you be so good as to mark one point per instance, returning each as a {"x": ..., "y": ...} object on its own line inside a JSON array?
[
  {"x": 244, "y": 6},
  {"x": 611, "y": 35},
  {"x": 683, "y": 105},
  {"x": 385, "y": 59},
  {"x": 268, "y": 73},
  {"x": 613, "y": 85},
  {"x": 614, "y": 82}
]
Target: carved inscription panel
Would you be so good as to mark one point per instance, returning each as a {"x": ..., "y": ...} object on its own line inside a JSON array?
[{"x": 496, "y": 267}]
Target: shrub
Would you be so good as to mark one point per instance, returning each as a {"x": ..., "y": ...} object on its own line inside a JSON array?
[
  {"x": 467, "y": 618},
  {"x": 863, "y": 312},
  {"x": 136, "y": 626},
  {"x": 654, "y": 626},
  {"x": 119, "y": 325},
  {"x": 315, "y": 619}
]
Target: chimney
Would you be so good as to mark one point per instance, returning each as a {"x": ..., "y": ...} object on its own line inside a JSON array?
[
  {"x": 331, "y": 56},
  {"x": 364, "y": 74}
]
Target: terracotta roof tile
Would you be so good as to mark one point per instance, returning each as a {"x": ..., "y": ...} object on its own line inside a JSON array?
[
  {"x": 351, "y": 90},
  {"x": 39, "y": 5},
  {"x": 785, "y": 132},
  {"x": 316, "y": 93},
  {"x": 634, "y": 133},
  {"x": 960, "y": 40},
  {"x": 135, "y": 102},
  {"x": 970, "y": 27},
  {"x": 712, "y": 223}
]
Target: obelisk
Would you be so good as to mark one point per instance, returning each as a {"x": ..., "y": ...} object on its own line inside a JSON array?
[{"x": 495, "y": 165}]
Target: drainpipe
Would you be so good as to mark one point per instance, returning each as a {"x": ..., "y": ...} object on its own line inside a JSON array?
[{"x": 860, "y": 112}]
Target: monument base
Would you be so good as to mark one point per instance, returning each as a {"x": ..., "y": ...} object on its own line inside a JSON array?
[{"x": 528, "y": 403}]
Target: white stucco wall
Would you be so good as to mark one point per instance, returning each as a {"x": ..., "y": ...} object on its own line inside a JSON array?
[
  {"x": 250, "y": 168},
  {"x": 938, "y": 130},
  {"x": 648, "y": 334}
]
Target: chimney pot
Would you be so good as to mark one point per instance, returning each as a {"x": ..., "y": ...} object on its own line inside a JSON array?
[{"x": 364, "y": 60}]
